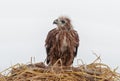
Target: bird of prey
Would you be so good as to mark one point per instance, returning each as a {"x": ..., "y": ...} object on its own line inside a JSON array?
[{"x": 62, "y": 42}]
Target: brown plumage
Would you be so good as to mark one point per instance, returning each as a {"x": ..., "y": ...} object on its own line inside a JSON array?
[{"x": 62, "y": 42}]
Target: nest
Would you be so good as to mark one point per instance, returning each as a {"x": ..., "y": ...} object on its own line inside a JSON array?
[{"x": 96, "y": 71}]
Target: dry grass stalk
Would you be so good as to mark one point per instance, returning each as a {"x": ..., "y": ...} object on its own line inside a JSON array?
[{"x": 95, "y": 71}]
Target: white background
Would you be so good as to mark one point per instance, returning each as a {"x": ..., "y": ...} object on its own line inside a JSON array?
[{"x": 24, "y": 25}]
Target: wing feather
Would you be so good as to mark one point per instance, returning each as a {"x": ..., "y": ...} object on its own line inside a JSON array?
[
  {"x": 75, "y": 40},
  {"x": 49, "y": 42}
]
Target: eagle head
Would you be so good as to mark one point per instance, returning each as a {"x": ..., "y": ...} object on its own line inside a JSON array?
[{"x": 63, "y": 22}]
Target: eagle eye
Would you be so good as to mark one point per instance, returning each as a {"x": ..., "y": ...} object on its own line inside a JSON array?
[{"x": 62, "y": 21}]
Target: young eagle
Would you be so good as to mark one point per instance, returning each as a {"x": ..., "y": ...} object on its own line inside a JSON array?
[{"x": 62, "y": 42}]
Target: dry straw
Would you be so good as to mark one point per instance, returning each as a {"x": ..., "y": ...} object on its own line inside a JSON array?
[{"x": 96, "y": 71}]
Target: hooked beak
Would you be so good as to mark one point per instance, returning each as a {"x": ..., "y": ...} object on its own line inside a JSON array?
[{"x": 55, "y": 21}]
